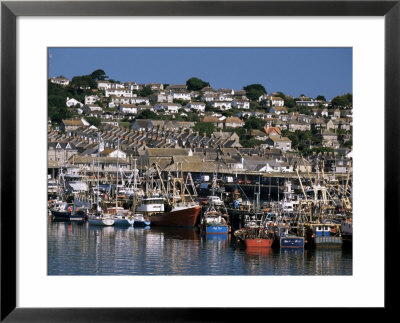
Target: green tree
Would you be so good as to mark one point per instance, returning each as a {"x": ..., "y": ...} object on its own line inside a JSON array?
[
  {"x": 254, "y": 91},
  {"x": 193, "y": 117},
  {"x": 98, "y": 75},
  {"x": 57, "y": 114},
  {"x": 289, "y": 102},
  {"x": 251, "y": 143},
  {"x": 56, "y": 101},
  {"x": 94, "y": 121},
  {"x": 196, "y": 84},
  {"x": 83, "y": 82},
  {"x": 320, "y": 98},
  {"x": 147, "y": 114},
  {"x": 342, "y": 101},
  {"x": 348, "y": 144},
  {"x": 146, "y": 91},
  {"x": 204, "y": 127},
  {"x": 254, "y": 123}
]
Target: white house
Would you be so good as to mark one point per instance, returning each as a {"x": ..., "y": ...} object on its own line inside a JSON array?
[
  {"x": 233, "y": 122},
  {"x": 132, "y": 86},
  {"x": 91, "y": 99},
  {"x": 88, "y": 108},
  {"x": 161, "y": 97},
  {"x": 308, "y": 103},
  {"x": 197, "y": 106},
  {"x": 241, "y": 104},
  {"x": 180, "y": 95},
  {"x": 120, "y": 100},
  {"x": 227, "y": 91},
  {"x": 167, "y": 107},
  {"x": 60, "y": 80},
  {"x": 264, "y": 97},
  {"x": 277, "y": 101},
  {"x": 279, "y": 142},
  {"x": 103, "y": 85},
  {"x": 324, "y": 112},
  {"x": 139, "y": 100},
  {"x": 119, "y": 92},
  {"x": 72, "y": 102},
  {"x": 128, "y": 108},
  {"x": 223, "y": 105},
  {"x": 209, "y": 97},
  {"x": 115, "y": 153},
  {"x": 117, "y": 86}
]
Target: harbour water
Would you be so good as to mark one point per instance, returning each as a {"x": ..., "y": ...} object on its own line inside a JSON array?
[{"x": 81, "y": 249}]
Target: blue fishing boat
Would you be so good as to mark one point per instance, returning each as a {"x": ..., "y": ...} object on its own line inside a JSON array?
[
  {"x": 140, "y": 220},
  {"x": 214, "y": 222},
  {"x": 284, "y": 239},
  {"x": 63, "y": 211}
]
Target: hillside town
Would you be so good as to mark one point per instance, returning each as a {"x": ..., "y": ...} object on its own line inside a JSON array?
[
  {"x": 194, "y": 127},
  {"x": 216, "y": 176}
]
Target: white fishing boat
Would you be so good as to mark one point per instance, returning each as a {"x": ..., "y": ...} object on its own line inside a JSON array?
[
  {"x": 122, "y": 217},
  {"x": 100, "y": 219},
  {"x": 97, "y": 216}
]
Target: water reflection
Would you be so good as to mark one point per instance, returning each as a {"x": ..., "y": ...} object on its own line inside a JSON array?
[{"x": 75, "y": 249}]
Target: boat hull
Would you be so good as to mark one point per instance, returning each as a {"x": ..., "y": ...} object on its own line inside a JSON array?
[
  {"x": 328, "y": 242},
  {"x": 182, "y": 218},
  {"x": 216, "y": 229},
  {"x": 142, "y": 223},
  {"x": 291, "y": 242},
  {"x": 68, "y": 216},
  {"x": 262, "y": 243},
  {"x": 124, "y": 222},
  {"x": 101, "y": 222}
]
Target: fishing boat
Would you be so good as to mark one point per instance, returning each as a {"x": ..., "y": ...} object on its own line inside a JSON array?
[
  {"x": 182, "y": 214},
  {"x": 316, "y": 217},
  {"x": 214, "y": 221},
  {"x": 285, "y": 239},
  {"x": 172, "y": 207},
  {"x": 256, "y": 234},
  {"x": 140, "y": 220},
  {"x": 96, "y": 215},
  {"x": 100, "y": 219},
  {"x": 122, "y": 217},
  {"x": 63, "y": 211}
]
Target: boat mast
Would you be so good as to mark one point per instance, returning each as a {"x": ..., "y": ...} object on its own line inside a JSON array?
[
  {"x": 116, "y": 187},
  {"x": 98, "y": 171}
]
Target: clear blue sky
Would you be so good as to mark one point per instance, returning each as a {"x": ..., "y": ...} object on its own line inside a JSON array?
[{"x": 294, "y": 71}]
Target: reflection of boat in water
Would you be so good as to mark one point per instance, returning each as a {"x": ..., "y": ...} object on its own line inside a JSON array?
[
  {"x": 256, "y": 251},
  {"x": 176, "y": 233},
  {"x": 217, "y": 237}
]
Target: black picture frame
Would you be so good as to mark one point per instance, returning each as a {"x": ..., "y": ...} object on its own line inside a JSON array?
[{"x": 10, "y": 10}]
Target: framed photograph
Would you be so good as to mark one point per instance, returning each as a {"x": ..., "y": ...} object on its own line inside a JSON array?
[{"x": 235, "y": 119}]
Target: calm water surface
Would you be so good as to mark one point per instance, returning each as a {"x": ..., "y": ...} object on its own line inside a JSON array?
[{"x": 81, "y": 249}]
